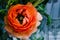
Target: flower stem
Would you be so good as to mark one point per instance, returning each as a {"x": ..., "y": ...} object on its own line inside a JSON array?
[{"x": 37, "y": 2}]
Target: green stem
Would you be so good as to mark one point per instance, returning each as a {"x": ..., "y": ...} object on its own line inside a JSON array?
[{"x": 37, "y": 2}]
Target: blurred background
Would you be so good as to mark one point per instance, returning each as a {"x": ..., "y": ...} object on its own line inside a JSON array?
[{"x": 50, "y": 25}]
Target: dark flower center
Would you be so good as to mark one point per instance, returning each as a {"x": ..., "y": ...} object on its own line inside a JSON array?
[{"x": 20, "y": 18}]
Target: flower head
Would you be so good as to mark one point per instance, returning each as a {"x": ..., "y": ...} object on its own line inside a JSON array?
[{"x": 22, "y": 20}]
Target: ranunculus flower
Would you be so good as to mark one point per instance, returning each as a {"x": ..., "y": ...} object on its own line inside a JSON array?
[{"x": 22, "y": 20}]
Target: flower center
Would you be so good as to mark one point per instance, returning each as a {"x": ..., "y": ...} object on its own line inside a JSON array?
[{"x": 20, "y": 18}]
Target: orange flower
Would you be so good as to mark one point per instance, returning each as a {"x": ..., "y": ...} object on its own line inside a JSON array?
[{"x": 22, "y": 20}]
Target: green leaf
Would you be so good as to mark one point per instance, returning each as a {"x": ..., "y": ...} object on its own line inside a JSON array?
[
  {"x": 10, "y": 2},
  {"x": 42, "y": 11},
  {"x": 48, "y": 20},
  {"x": 35, "y": 38},
  {"x": 40, "y": 38},
  {"x": 2, "y": 14},
  {"x": 2, "y": 10}
]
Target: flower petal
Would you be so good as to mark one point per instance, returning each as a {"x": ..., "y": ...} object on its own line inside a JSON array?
[{"x": 39, "y": 16}]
